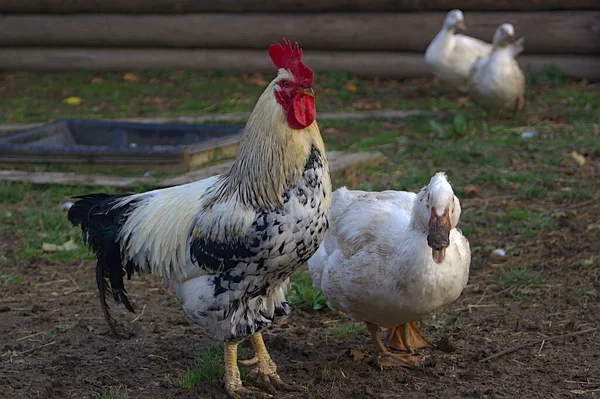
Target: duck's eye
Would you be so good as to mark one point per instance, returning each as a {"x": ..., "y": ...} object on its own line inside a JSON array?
[{"x": 286, "y": 83}]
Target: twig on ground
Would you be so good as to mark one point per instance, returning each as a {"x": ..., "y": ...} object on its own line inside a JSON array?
[
  {"x": 471, "y": 307},
  {"x": 158, "y": 357},
  {"x": 36, "y": 348},
  {"x": 30, "y": 336},
  {"x": 578, "y": 205},
  {"x": 141, "y": 314},
  {"x": 532, "y": 343}
]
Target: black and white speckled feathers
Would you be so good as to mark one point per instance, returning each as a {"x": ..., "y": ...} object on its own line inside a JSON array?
[
  {"x": 233, "y": 283},
  {"x": 247, "y": 292}
]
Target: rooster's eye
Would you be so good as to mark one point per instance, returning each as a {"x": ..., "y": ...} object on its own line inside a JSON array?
[{"x": 286, "y": 83}]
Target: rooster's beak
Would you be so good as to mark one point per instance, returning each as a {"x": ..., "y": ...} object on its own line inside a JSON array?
[
  {"x": 307, "y": 91},
  {"x": 438, "y": 237}
]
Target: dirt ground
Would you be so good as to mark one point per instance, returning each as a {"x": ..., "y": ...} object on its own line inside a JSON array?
[{"x": 55, "y": 343}]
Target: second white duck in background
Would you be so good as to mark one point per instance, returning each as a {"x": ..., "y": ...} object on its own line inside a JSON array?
[
  {"x": 450, "y": 55},
  {"x": 496, "y": 81},
  {"x": 392, "y": 258}
]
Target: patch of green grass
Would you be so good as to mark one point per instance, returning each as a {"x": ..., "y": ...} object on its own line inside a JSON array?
[
  {"x": 519, "y": 214},
  {"x": 550, "y": 75},
  {"x": 36, "y": 218},
  {"x": 351, "y": 328},
  {"x": 120, "y": 392},
  {"x": 524, "y": 221},
  {"x": 13, "y": 193},
  {"x": 593, "y": 262},
  {"x": 10, "y": 280},
  {"x": 436, "y": 323},
  {"x": 208, "y": 369},
  {"x": 575, "y": 194},
  {"x": 304, "y": 295},
  {"x": 532, "y": 191},
  {"x": 583, "y": 291},
  {"x": 518, "y": 277}
]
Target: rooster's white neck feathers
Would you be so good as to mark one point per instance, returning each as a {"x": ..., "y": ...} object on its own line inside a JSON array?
[{"x": 271, "y": 156}]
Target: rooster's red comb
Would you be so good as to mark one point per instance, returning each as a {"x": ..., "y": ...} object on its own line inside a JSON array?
[{"x": 286, "y": 57}]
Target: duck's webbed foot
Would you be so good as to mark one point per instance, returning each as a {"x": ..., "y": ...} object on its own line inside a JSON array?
[
  {"x": 387, "y": 359},
  {"x": 407, "y": 337}
]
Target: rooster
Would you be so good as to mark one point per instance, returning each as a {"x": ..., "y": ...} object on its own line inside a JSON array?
[{"x": 227, "y": 245}]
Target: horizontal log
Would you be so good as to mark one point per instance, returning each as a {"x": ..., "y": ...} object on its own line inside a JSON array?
[
  {"x": 564, "y": 32},
  {"x": 199, "y": 6},
  {"x": 338, "y": 163},
  {"x": 364, "y": 64}
]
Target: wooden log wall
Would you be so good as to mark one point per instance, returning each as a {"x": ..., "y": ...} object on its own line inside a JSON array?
[
  {"x": 383, "y": 38},
  {"x": 364, "y": 63},
  {"x": 563, "y": 32},
  {"x": 235, "y": 6}
]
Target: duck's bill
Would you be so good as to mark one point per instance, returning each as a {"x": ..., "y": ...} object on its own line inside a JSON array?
[
  {"x": 461, "y": 26},
  {"x": 438, "y": 255}
]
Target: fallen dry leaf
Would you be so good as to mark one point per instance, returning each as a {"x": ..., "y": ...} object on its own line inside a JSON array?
[
  {"x": 462, "y": 101},
  {"x": 392, "y": 125},
  {"x": 97, "y": 81},
  {"x": 580, "y": 159},
  {"x": 357, "y": 355},
  {"x": 331, "y": 131},
  {"x": 131, "y": 77},
  {"x": 72, "y": 100},
  {"x": 366, "y": 106},
  {"x": 257, "y": 79},
  {"x": 351, "y": 87},
  {"x": 471, "y": 190},
  {"x": 593, "y": 226},
  {"x": 67, "y": 246}
]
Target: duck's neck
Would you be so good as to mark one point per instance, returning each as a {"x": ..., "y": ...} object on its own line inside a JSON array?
[
  {"x": 443, "y": 39},
  {"x": 416, "y": 217}
]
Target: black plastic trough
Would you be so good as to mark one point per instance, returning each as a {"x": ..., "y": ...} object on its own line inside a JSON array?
[{"x": 72, "y": 141}]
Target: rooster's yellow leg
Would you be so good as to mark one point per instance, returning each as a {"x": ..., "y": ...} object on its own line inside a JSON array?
[
  {"x": 407, "y": 337},
  {"x": 267, "y": 369},
  {"x": 387, "y": 359},
  {"x": 232, "y": 380}
]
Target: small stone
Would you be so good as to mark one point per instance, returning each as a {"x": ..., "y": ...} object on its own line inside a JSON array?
[
  {"x": 528, "y": 134},
  {"x": 445, "y": 345}
]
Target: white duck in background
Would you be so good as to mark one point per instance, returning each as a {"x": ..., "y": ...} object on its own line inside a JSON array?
[
  {"x": 392, "y": 258},
  {"x": 450, "y": 55},
  {"x": 496, "y": 81}
]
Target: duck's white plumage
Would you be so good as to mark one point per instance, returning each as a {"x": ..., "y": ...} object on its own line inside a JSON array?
[
  {"x": 450, "y": 55},
  {"x": 375, "y": 263},
  {"x": 496, "y": 81}
]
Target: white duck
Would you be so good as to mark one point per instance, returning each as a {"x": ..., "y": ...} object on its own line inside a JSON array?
[
  {"x": 392, "y": 258},
  {"x": 496, "y": 81},
  {"x": 450, "y": 55}
]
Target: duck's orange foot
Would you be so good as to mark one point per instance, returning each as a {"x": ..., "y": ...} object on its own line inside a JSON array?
[
  {"x": 407, "y": 337},
  {"x": 519, "y": 104},
  {"x": 388, "y": 359}
]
